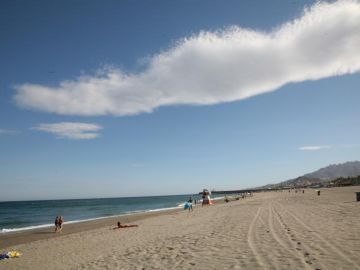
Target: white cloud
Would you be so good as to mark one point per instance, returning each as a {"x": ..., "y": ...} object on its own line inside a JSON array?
[
  {"x": 314, "y": 147},
  {"x": 320, "y": 147},
  {"x": 71, "y": 130},
  {"x": 214, "y": 67}
]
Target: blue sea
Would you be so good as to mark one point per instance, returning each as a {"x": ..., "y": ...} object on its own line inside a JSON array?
[{"x": 25, "y": 215}]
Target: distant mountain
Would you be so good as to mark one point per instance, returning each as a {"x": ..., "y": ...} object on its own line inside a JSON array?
[
  {"x": 331, "y": 172},
  {"x": 326, "y": 174}
]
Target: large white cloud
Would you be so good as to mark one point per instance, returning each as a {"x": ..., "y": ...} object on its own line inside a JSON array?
[
  {"x": 71, "y": 130},
  {"x": 210, "y": 68}
]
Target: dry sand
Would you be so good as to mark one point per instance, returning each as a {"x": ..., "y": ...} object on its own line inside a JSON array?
[{"x": 273, "y": 230}]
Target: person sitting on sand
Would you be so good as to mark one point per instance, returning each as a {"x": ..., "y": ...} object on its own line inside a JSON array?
[{"x": 122, "y": 226}]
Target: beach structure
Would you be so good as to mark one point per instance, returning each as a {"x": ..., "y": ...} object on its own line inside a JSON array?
[{"x": 206, "y": 197}]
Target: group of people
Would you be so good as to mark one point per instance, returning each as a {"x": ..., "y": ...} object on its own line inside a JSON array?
[
  {"x": 205, "y": 200},
  {"x": 59, "y": 221}
]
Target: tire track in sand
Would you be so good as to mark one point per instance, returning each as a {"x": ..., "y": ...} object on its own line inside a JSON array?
[
  {"x": 300, "y": 247},
  {"x": 327, "y": 243},
  {"x": 290, "y": 248},
  {"x": 251, "y": 239}
]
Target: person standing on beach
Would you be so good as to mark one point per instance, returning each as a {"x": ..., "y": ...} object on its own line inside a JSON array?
[
  {"x": 57, "y": 224},
  {"x": 61, "y": 221},
  {"x": 190, "y": 204}
]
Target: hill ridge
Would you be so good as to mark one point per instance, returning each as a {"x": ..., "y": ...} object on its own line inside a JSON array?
[{"x": 322, "y": 175}]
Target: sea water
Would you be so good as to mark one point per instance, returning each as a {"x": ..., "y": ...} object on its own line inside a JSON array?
[{"x": 25, "y": 215}]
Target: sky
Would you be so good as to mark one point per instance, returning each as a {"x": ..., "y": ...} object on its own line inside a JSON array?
[{"x": 134, "y": 98}]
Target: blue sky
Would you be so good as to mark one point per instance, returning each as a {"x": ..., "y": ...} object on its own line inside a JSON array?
[{"x": 128, "y": 98}]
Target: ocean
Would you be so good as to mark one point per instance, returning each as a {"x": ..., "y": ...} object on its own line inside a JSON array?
[{"x": 26, "y": 215}]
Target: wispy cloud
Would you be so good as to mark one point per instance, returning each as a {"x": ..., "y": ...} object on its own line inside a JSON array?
[
  {"x": 314, "y": 147},
  {"x": 214, "y": 67},
  {"x": 8, "y": 132},
  {"x": 348, "y": 146},
  {"x": 321, "y": 147},
  {"x": 71, "y": 130}
]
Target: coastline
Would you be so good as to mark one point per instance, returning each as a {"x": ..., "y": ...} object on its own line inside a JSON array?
[
  {"x": 271, "y": 230},
  {"x": 17, "y": 216},
  {"x": 26, "y": 236},
  {"x": 13, "y": 238}
]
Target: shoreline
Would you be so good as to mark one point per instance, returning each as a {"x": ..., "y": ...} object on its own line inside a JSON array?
[
  {"x": 50, "y": 224},
  {"x": 19, "y": 237},
  {"x": 9, "y": 239}
]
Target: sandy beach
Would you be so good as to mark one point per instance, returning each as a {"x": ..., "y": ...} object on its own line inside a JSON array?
[{"x": 272, "y": 230}]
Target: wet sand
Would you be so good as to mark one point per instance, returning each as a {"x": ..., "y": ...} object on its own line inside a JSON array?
[{"x": 272, "y": 230}]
